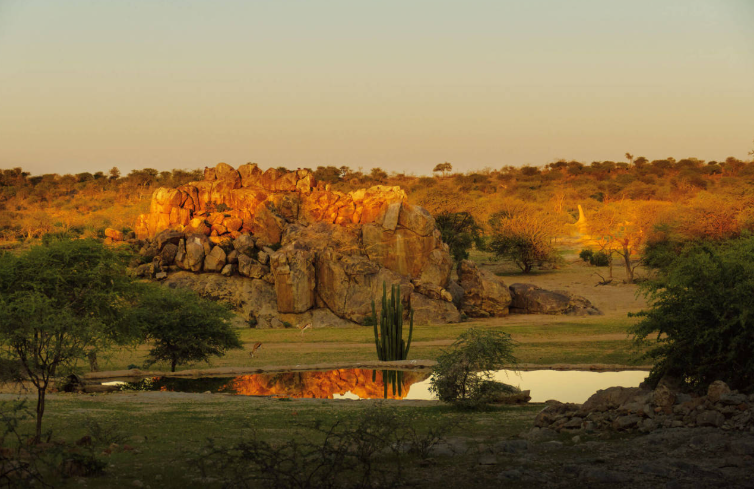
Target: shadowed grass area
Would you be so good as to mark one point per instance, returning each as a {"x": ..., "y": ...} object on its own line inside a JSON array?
[{"x": 169, "y": 430}]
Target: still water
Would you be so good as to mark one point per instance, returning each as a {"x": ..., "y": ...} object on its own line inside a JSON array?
[{"x": 563, "y": 385}]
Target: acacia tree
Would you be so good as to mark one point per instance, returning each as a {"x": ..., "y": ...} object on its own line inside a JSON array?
[
  {"x": 622, "y": 228},
  {"x": 525, "y": 237},
  {"x": 443, "y": 167},
  {"x": 58, "y": 302},
  {"x": 183, "y": 326}
]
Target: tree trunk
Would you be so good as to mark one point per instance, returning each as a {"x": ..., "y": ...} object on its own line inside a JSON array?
[
  {"x": 172, "y": 364},
  {"x": 40, "y": 412},
  {"x": 629, "y": 270}
]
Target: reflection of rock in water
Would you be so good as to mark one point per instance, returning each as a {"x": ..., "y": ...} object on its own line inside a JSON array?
[{"x": 322, "y": 385}]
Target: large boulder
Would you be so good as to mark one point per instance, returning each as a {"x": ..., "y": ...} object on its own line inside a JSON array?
[
  {"x": 402, "y": 251},
  {"x": 249, "y": 267},
  {"x": 433, "y": 311},
  {"x": 254, "y": 299},
  {"x": 347, "y": 284},
  {"x": 417, "y": 219},
  {"x": 485, "y": 294},
  {"x": 437, "y": 268},
  {"x": 293, "y": 269},
  {"x": 318, "y": 318},
  {"x": 530, "y": 299},
  {"x": 215, "y": 261},
  {"x": 195, "y": 254}
]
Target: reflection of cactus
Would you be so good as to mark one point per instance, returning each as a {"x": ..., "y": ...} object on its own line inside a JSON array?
[{"x": 389, "y": 339}]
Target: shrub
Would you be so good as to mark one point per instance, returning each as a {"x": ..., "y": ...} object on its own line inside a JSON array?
[
  {"x": 702, "y": 316},
  {"x": 463, "y": 375},
  {"x": 341, "y": 453},
  {"x": 600, "y": 259},
  {"x": 525, "y": 237},
  {"x": 460, "y": 231},
  {"x": 586, "y": 255}
]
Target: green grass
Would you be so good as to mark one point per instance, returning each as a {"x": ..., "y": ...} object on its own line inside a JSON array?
[
  {"x": 564, "y": 340},
  {"x": 169, "y": 431}
]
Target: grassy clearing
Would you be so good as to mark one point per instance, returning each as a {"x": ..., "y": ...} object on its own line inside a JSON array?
[
  {"x": 541, "y": 340},
  {"x": 168, "y": 430}
]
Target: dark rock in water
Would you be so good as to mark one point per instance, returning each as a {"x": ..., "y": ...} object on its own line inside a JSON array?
[{"x": 531, "y": 299}]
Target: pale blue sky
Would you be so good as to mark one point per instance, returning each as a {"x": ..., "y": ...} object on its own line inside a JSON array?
[{"x": 87, "y": 85}]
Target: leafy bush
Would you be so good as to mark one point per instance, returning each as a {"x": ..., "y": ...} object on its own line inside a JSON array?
[
  {"x": 463, "y": 375},
  {"x": 702, "y": 316},
  {"x": 524, "y": 237},
  {"x": 586, "y": 255},
  {"x": 600, "y": 259},
  {"x": 460, "y": 231}
]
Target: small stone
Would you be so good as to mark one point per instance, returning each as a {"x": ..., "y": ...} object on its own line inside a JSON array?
[
  {"x": 161, "y": 275},
  {"x": 576, "y": 439},
  {"x": 717, "y": 389},
  {"x": 487, "y": 459},
  {"x": 710, "y": 418},
  {"x": 137, "y": 483}
]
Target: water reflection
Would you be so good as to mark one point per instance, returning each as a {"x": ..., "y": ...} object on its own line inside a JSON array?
[
  {"x": 565, "y": 386},
  {"x": 332, "y": 384}
]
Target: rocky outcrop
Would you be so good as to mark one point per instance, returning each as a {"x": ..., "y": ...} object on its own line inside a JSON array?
[
  {"x": 643, "y": 410},
  {"x": 485, "y": 294},
  {"x": 530, "y": 299},
  {"x": 310, "y": 249},
  {"x": 430, "y": 311}
]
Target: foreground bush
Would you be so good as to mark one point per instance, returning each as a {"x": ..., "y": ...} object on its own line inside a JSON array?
[
  {"x": 368, "y": 451},
  {"x": 463, "y": 375},
  {"x": 702, "y": 316}
]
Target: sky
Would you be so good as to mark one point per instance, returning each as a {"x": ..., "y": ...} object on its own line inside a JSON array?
[{"x": 86, "y": 85}]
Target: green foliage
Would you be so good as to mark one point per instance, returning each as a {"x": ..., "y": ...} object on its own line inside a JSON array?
[
  {"x": 586, "y": 255},
  {"x": 389, "y": 339},
  {"x": 361, "y": 452},
  {"x": 701, "y": 319},
  {"x": 58, "y": 302},
  {"x": 183, "y": 326},
  {"x": 600, "y": 259},
  {"x": 524, "y": 238},
  {"x": 463, "y": 375},
  {"x": 460, "y": 231}
]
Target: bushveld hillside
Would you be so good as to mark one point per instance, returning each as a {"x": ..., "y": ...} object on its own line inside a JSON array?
[{"x": 687, "y": 198}]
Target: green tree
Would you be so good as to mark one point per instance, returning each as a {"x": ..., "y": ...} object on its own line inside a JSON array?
[
  {"x": 701, "y": 316},
  {"x": 444, "y": 168},
  {"x": 183, "y": 326},
  {"x": 58, "y": 302},
  {"x": 524, "y": 237},
  {"x": 460, "y": 231},
  {"x": 464, "y": 373}
]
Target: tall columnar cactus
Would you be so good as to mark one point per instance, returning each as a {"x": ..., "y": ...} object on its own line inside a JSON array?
[{"x": 389, "y": 338}]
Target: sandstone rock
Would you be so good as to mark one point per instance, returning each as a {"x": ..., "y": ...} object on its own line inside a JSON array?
[
  {"x": 530, "y": 299},
  {"x": 244, "y": 244},
  {"x": 168, "y": 236},
  {"x": 416, "y": 219},
  {"x": 267, "y": 225},
  {"x": 710, "y": 418},
  {"x": 625, "y": 422},
  {"x": 253, "y": 298},
  {"x": 485, "y": 294},
  {"x": 456, "y": 292},
  {"x": 347, "y": 284},
  {"x": 169, "y": 253},
  {"x": 194, "y": 254},
  {"x": 248, "y": 267},
  {"x": 232, "y": 257},
  {"x": 663, "y": 397},
  {"x": 319, "y": 236},
  {"x": 437, "y": 268},
  {"x": 180, "y": 256},
  {"x": 263, "y": 257},
  {"x": 114, "y": 234},
  {"x": 433, "y": 311},
  {"x": 389, "y": 219},
  {"x": 611, "y": 398},
  {"x": 215, "y": 261},
  {"x": 717, "y": 389},
  {"x": 432, "y": 291},
  {"x": 293, "y": 270},
  {"x": 228, "y": 270},
  {"x": 402, "y": 251}
]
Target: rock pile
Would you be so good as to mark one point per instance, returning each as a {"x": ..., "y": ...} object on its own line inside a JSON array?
[
  {"x": 643, "y": 410},
  {"x": 287, "y": 249}
]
